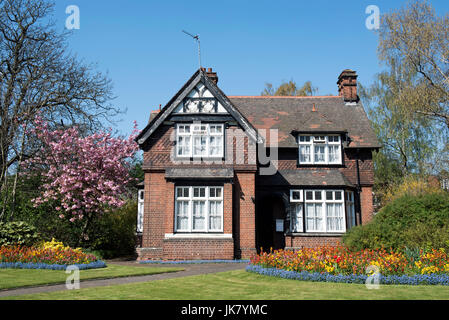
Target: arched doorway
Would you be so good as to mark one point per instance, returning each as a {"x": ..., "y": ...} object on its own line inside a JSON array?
[{"x": 271, "y": 223}]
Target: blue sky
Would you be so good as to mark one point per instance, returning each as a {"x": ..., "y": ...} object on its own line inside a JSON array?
[{"x": 248, "y": 43}]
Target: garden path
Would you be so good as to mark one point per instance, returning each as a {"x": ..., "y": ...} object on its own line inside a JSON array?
[{"x": 189, "y": 270}]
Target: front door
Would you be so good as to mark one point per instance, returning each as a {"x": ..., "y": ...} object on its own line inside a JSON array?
[{"x": 270, "y": 224}]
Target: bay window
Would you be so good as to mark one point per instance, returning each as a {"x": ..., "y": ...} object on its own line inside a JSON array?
[
  {"x": 199, "y": 209},
  {"x": 318, "y": 210},
  {"x": 199, "y": 140},
  {"x": 319, "y": 149}
]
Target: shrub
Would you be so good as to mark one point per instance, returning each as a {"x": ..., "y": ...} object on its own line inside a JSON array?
[
  {"x": 408, "y": 221},
  {"x": 18, "y": 233},
  {"x": 114, "y": 234},
  {"x": 410, "y": 185}
]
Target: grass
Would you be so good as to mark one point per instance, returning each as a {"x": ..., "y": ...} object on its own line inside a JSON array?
[
  {"x": 237, "y": 285},
  {"x": 16, "y": 278}
]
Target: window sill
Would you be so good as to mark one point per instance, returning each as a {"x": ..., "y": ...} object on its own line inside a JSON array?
[
  {"x": 321, "y": 165},
  {"x": 169, "y": 236}
]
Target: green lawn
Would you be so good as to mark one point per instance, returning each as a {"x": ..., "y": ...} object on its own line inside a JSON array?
[
  {"x": 236, "y": 285},
  {"x": 14, "y": 278}
]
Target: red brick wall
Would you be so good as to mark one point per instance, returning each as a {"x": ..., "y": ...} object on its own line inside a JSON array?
[
  {"x": 366, "y": 201},
  {"x": 288, "y": 160},
  {"x": 298, "y": 242},
  {"x": 192, "y": 249},
  {"x": 154, "y": 214},
  {"x": 157, "y": 151},
  {"x": 245, "y": 215}
]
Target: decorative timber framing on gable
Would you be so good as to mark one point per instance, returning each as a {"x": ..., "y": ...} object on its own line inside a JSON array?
[{"x": 182, "y": 96}]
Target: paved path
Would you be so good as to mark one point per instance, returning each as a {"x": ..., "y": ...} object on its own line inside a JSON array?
[{"x": 189, "y": 270}]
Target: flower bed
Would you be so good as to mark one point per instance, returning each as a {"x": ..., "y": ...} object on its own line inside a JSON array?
[
  {"x": 418, "y": 279},
  {"x": 339, "y": 264},
  {"x": 50, "y": 255}
]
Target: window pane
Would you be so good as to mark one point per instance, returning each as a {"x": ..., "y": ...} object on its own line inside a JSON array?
[
  {"x": 304, "y": 154},
  {"x": 319, "y": 154},
  {"x": 215, "y": 215},
  {"x": 335, "y": 217},
  {"x": 309, "y": 195},
  {"x": 319, "y": 216},
  {"x": 317, "y": 195},
  {"x": 199, "y": 145},
  {"x": 297, "y": 218},
  {"x": 329, "y": 195},
  {"x": 182, "y": 217},
  {"x": 337, "y": 195},
  {"x": 199, "y": 192},
  {"x": 215, "y": 145},
  {"x": 198, "y": 215},
  {"x": 296, "y": 195},
  {"x": 310, "y": 220},
  {"x": 334, "y": 154},
  {"x": 330, "y": 217}
]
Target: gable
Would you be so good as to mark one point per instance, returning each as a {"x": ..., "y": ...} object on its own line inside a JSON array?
[
  {"x": 200, "y": 100},
  {"x": 199, "y": 95}
]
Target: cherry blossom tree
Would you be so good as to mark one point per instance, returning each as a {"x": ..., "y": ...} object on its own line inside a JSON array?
[{"x": 86, "y": 176}]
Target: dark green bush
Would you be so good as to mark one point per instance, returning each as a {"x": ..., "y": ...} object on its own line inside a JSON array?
[
  {"x": 409, "y": 221},
  {"x": 18, "y": 233},
  {"x": 114, "y": 234}
]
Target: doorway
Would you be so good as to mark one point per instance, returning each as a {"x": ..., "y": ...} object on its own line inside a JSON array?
[{"x": 271, "y": 224}]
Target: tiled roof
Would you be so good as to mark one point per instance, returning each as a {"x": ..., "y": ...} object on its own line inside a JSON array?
[
  {"x": 216, "y": 173},
  {"x": 307, "y": 114},
  {"x": 315, "y": 177}
]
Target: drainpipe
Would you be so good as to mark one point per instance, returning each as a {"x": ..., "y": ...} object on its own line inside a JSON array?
[{"x": 359, "y": 188}]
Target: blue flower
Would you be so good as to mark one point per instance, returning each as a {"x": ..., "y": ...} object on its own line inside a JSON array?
[
  {"x": 418, "y": 279},
  {"x": 29, "y": 265}
]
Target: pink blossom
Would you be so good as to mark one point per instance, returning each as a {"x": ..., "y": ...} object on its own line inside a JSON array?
[{"x": 83, "y": 173}]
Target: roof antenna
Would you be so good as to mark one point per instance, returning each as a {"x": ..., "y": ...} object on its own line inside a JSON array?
[{"x": 197, "y": 38}]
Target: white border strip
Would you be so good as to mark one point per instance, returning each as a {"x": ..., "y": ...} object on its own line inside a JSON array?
[{"x": 198, "y": 236}]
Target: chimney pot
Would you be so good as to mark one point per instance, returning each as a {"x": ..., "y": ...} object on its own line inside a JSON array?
[{"x": 212, "y": 75}]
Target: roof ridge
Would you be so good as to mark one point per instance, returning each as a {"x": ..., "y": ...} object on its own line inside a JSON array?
[{"x": 282, "y": 97}]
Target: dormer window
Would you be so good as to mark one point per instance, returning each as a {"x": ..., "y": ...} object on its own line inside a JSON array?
[
  {"x": 199, "y": 140},
  {"x": 320, "y": 149}
]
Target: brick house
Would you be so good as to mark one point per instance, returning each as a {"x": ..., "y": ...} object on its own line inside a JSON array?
[{"x": 226, "y": 176}]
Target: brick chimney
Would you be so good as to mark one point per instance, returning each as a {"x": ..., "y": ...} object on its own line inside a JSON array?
[
  {"x": 212, "y": 75},
  {"x": 347, "y": 85}
]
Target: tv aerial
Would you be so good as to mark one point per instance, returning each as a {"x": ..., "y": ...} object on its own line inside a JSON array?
[{"x": 197, "y": 38}]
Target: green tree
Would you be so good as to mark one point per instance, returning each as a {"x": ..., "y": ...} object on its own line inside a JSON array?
[
  {"x": 414, "y": 42},
  {"x": 290, "y": 89},
  {"x": 408, "y": 101}
]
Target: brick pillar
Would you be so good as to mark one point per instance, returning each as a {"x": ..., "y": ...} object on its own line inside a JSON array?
[
  {"x": 366, "y": 202},
  {"x": 153, "y": 220},
  {"x": 245, "y": 222}
]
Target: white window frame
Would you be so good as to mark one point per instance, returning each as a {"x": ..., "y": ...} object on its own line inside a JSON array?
[
  {"x": 207, "y": 201},
  {"x": 323, "y": 202},
  {"x": 319, "y": 141},
  {"x": 140, "y": 210},
  {"x": 296, "y": 191},
  {"x": 200, "y": 133}
]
